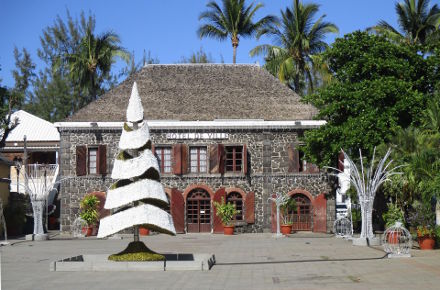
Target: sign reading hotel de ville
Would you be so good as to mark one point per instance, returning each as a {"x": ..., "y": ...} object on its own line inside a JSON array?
[{"x": 196, "y": 136}]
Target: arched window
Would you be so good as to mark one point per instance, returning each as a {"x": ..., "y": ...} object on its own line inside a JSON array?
[{"x": 236, "y": 199}]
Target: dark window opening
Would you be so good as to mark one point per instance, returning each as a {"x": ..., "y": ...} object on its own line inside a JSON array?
[{"x": 234, "y": 158}]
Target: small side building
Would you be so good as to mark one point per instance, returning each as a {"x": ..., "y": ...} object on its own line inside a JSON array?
[{"x": 218, "y": 130}]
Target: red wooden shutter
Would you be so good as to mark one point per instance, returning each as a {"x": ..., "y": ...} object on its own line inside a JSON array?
[
  {"x": 320, "y": 214},
  {"x": 273, "y": 216},
  {"x": 249, "y": 214},
  {"x": 102, "y": 159},
  {"x": 217, "y": 222},
  {"x": 341, "y": 161},
  {"x": 184, "y": 161},
  {"x": 293, "y": 155},
  {"x": 213, "y": 158},
  {"x": 177, "y": 159},
  {"x": 81, "y": 160},
  {"x": 152, "y": 150},
  {"x": 221, "y": 158},
  {"x": 177, "y": 210},
  {"x": 245, "y": 165}
]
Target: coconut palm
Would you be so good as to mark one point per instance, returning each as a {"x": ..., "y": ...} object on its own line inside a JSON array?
[
  {"x": 417, "y": 22},
  {"x": 235, "y": 20},
  {"x": 298, "y": 42},
  {"x": 91, "y": 63}
]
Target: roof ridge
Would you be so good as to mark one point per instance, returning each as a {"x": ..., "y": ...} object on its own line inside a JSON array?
[{"x": 203, "y": 64}]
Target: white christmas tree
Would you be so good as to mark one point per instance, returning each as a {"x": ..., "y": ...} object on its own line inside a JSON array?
[{"x": 137, "y": 198}]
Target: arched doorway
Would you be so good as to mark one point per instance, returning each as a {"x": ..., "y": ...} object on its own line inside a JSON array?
[
  {"x": 302, "y": 214},
  {"x": 198, "y": 211}
]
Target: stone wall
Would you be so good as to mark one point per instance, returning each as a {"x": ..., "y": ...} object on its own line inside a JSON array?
[{"x": 267, "y": 173}]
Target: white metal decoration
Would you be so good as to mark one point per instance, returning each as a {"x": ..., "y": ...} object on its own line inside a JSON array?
[
  {"x": 39, "y": 181},
  {"x": 366, "y": 183},
  {"x": 343, "y": 228},
  {"x": 77, "y": 228},
  {"x": 137, "y": 197},
  {"x": 397, "y": 241},
  {"x": 279, "y": 199}
]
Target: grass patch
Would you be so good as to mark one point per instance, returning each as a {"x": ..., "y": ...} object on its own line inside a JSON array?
[{"x": 136, "y": 252}]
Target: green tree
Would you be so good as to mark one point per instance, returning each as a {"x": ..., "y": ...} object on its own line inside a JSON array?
[
  {"x": 23, "y": 76},
  {"x": 59, "y": 91},
  {"x": 379, "y": 87},
  {"x": 91, "y": 63},
  {"x": 6, "y": 106},
  {"x": 417, "y": 22},
  {"x": 299, "y": 40},
  {"x": 198, "y": 57},
  {"x": 133, "y": 67},
  {"x": 235, "y": 20}
]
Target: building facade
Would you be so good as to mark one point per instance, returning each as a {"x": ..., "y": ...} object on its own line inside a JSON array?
[{"x": 230, "y": 131}]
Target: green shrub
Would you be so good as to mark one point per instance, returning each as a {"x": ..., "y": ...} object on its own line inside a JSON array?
[
  {"x": 89, "y": 209},
  {"x": 225, "y": 211},
  {"x": 393, "y": 215}
]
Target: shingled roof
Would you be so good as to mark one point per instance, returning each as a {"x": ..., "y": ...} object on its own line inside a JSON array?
[{"x": 205, "y": 92}]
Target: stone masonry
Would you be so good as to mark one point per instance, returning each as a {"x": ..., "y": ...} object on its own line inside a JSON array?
[{"x": 267, "y": 170}]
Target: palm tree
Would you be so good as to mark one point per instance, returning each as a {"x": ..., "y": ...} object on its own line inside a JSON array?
[
  {"x": 299, "y": 41},
  {"x": 234, "y": 20},
  {"x": 91, "y": 63},
  {"x": 417, "y": 22}
]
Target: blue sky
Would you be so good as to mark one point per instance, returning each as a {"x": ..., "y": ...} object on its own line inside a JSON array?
[{"x": 167, "y": 28}]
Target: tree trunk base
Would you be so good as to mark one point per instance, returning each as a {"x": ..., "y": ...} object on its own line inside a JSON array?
[{"x": 136, "y": 251}]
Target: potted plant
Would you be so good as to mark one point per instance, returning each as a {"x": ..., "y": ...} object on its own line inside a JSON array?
[
  {"x": 423, "y": 218},
  {"x": 144, "y": 231},
  {"x": 391, "y": 217},
  {"x": 89, "y": 212},
  {"x": 226, "y": 212},
  {"x": 286, "y": 222}
]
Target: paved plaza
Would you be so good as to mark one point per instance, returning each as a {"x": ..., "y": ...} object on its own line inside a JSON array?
[{"x": 245, "y": 261}]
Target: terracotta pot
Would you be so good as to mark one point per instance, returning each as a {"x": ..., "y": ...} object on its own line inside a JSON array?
[
  {"x": 87, "y": 231},
  {"x": 286, "y": 229},
  {"x": 228, "y": 230},
  {"x": 426, "y": 243},
  {"x": 144, "y": 231},
  {"x": 393, "y": 237}
]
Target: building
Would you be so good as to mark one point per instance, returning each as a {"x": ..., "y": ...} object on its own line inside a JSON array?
[
  {"x": 218, "y": 130},
  {"x": 42, "y": 144}
]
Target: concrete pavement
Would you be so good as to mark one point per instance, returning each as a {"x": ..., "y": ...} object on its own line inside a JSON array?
[{"x": 245, "y": 261}]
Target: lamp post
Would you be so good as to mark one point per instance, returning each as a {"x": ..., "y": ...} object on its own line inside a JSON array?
[{"x": 17, "y": 163}]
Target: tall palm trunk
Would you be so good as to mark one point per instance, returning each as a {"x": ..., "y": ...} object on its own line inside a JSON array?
[{"x": 234, "y": 49}]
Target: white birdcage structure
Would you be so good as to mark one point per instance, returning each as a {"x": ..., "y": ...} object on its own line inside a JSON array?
[
  {"x": 77, "y": 227},
  {"x": 397, "y": 241},
  {"x": 343, "y": 228}
]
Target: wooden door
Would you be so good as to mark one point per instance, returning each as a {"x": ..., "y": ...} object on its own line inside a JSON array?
[
  {"x": 198, "y": 211},
  {"x": 302, "y": 215},
  {"x": 320, "y": 214}
]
